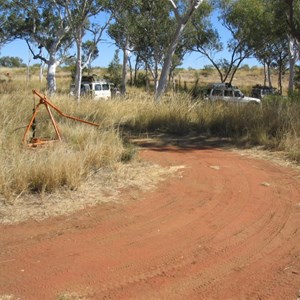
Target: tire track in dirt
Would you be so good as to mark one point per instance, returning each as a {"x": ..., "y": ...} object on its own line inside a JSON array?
[
  {"x": 271, "y": 233},
  {"x": 201, "y": 235}
]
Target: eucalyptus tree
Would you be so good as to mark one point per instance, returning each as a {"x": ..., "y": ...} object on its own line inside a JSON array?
[
  {"x": 289, "y": 12},
  {"x": 294, "y": 51},
  {"x": 120, "y": 31},
  {"x": 277, "y": 39},
  {"x": 203, "y": 38},
  {"x": 89, "y": 53},
  {"x": 151, "y": 35},
  {"x": 262, "y": 26},
  {"x": 114, "y": 69},
  {"x": 292, "y": 11},
  {"x": 144, "y": 28},
  {"x": 43, "y": 24},
  {"x": 177, "y": 60},
  {"x": 240, "y": 19},
  {"x": 183, "y": 10},
  {"x": 6, "y": 21},
  {"x": 119, "y": 34},
  {"x": 11, "y": 62},
  {"x": 79, "y": 18},
  {"x": 153, "y": 31}
]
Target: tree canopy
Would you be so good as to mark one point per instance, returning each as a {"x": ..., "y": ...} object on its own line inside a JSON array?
[{"x": 156, "y": 33}]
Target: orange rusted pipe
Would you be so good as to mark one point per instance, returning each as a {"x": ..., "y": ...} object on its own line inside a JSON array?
[
  {"x": 48, "y": 104},
  {"x": 44, "y": 99}
]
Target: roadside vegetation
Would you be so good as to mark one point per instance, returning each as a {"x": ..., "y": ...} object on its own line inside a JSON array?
[
  {"x": 85, "y": 148},
  {"x": 274, "y": 125}
]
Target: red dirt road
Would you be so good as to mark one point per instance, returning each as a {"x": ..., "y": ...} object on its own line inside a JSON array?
[{"x": 227, "y": 227}]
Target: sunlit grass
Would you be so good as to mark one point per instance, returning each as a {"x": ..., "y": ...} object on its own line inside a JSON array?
[{"x": 85, "y": 149}]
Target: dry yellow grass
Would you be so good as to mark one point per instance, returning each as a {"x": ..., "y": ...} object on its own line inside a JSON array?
[
  {"x": 244, "y": 78},
  {"x": 86, "y": 149}
]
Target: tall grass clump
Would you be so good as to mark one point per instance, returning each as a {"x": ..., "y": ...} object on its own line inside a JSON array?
[
  {"x": 83, "y": 151},
  {"x": 274, "y": 124},
  {"x": 171, "y": 115},
  {"x": 288, "y": 132},
  {"x": 231, "y": 120},
  {"x": 61, "y": 165}
]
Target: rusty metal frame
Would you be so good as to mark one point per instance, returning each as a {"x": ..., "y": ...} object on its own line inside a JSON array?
[{"x": 34, "y": 142}]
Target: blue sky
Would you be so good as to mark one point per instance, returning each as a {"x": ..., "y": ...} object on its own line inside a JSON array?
[{"x": 107, "y": 49}]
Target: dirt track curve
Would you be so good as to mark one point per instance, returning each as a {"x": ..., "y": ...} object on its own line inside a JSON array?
[{"x": 226, "y": 227}]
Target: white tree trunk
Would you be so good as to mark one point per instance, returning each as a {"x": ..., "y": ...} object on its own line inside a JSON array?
[
  {"x": 51, "y": 72},
  {"x": 293, "y": 57},
  {"x": 78, "y": 69},
  {"x": 162, "y": 84},
  {"x": 181, "y": 24}
]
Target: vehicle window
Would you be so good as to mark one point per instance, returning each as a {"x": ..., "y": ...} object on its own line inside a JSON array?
[
  {"x": 267, "y": 92},
  {"x": 255, "y": 92},
  {"x": 228, "y": 93},
  {"x": 105, "y": 87},
  {"x": 237, "y": 94},
  {"x": 217, "y": 92},
  {"x": 97, "y": 87},
  {"x": 85, "y": 88}
]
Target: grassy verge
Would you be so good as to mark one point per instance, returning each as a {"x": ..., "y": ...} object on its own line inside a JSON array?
[
  {"x": 275, "y": 124},
  {"x": 84, "y": 150}
]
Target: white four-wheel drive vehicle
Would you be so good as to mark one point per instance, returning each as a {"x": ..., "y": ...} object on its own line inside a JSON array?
[
  {"x": 94, "y": 87},
  {"x": 227, "y": 92}
]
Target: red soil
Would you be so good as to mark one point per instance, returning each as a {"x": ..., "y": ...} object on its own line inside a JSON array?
[{"x": 227, "y": 227}]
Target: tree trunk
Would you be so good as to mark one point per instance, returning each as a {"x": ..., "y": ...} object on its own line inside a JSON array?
[
  {"x": 136, "y": 69},
  {"x": 280, "y": 70},
  {"x": 124, "y": 69},
  {"x": 155, "y": 77},
  {"x": 130, "y": 71},
  {"x": 265, "y": 74},
  {"x": 78, "y": 69},
  {"x": 181, "y": 24},
  {"x": 269, "y": 75},
  {"x": 51, "y": 72},
  {"x": 293, "y": 57},
  {"x": 147, "y": 79},
  {"x": 162, "y": 84},
  {"x": 235, "y": 68}
]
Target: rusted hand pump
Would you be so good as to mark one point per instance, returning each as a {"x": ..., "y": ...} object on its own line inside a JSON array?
[{"x": 34, "y": 142}]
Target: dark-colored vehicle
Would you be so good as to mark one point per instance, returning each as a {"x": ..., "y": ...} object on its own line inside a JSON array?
[{"x": 260, "y": 91}]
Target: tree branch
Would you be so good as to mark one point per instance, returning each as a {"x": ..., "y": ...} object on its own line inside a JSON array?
[
  {"x": 175, "y": 10},
  {"x": 37, "y": 56}
]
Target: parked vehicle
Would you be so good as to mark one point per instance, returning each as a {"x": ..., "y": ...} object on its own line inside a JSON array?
[
  {"x": 94, "y": 87},
  {"x": 260, "y": 91},
  {"x": 228, "y": 93}
]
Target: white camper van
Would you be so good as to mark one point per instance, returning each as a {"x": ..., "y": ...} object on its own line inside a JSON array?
[{"x": 94, "y": 87}]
